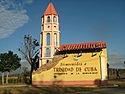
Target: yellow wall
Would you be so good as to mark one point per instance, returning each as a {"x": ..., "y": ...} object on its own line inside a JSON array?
[{"x": 86, "y": 67}]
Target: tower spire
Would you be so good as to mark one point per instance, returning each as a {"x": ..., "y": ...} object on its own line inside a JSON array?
[{"x": 50, "y": 10}]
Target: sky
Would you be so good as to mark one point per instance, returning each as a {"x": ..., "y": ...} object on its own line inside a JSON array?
[{"x": 80, "y": 21}]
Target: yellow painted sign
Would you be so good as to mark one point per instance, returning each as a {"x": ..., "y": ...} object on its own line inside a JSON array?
[{"x": 74, "y": 68}]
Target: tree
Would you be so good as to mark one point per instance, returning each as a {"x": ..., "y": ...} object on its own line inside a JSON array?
[
  {"x": 9, "y": 62},
  {"x": 2, "y": 67},
  {"x": 25, "y": 74},
  {"x": 29, "y": 51}
]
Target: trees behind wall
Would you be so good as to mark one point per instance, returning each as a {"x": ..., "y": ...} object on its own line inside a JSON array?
[
  {"x": 25, "y": 74},
  {"x": 8, "y": 62}
]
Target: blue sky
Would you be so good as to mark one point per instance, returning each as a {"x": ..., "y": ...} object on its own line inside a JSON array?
[{"x": 80, "y": 21}]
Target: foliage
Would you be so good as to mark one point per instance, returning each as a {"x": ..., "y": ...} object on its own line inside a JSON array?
[{"x": 9, "y": 61}]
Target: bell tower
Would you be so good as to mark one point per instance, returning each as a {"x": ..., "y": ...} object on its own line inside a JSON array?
[{"x": 50, "y": 34}]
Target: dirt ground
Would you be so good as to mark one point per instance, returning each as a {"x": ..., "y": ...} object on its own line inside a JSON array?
[
  {"x": 61, "y": 90},
  {"x": 114, "y": 87}
]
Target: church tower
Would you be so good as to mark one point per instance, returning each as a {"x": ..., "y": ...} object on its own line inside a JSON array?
[{"x": 50, "y": 34}]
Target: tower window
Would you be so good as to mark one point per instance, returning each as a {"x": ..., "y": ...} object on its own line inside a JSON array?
[
  {"x": 54, "y": 26},
  {"x": 48, "y": 26},
  {"x": 48, "y": 19},
  {"x": 54, "y": 51},
  {"x": 48, "y": 52},
  {"x": 48, "y": 39},
  {"x": 54, "y": 19},
  {"x": 55, "y": 39}
]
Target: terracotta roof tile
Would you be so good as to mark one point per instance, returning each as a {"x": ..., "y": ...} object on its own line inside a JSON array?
[
  {"x": 89, "y": 45},
  {"x": 50, "y": 10}
]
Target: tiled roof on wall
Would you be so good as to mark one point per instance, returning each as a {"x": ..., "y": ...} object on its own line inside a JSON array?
[{"x": 88, "y": 45}]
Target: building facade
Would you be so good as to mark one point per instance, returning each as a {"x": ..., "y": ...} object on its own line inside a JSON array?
[{"x": 69, "y": 64}]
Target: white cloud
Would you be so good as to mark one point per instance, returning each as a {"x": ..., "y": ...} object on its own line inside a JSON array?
[{"x": 12, "y": 17}]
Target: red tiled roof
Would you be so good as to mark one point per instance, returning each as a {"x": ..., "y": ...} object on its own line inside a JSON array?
[
  {"x": 89, "y": 45},
  {"x": 50, "y": 10}
]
